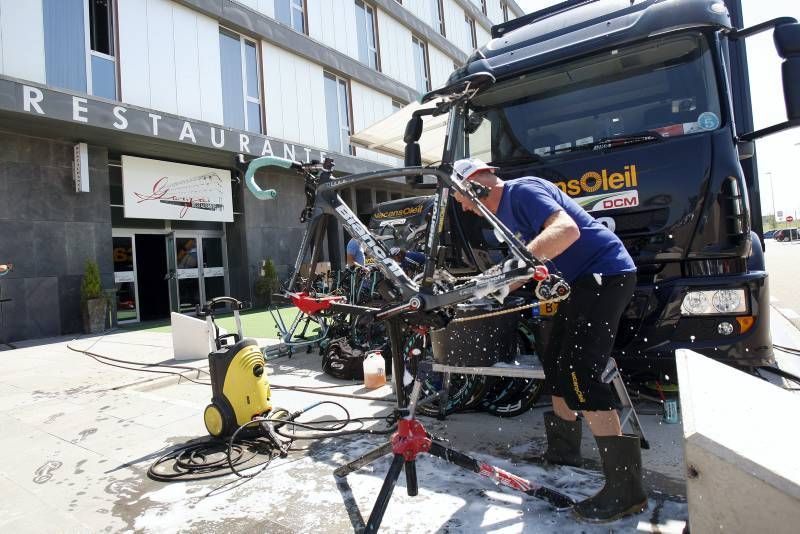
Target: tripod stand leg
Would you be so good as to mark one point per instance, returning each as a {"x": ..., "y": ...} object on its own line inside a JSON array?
[
  {"x": 412, "y": 486},
  {"x": 368, "y": 458},
  {"x": 376, "y": 516},
  {"x": 500, "y": 476}
]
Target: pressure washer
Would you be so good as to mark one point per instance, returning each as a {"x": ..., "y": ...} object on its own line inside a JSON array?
[{"x": 239, "y": 385}]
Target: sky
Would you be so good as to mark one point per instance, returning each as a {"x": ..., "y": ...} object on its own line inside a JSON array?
[{"x": 778, "y": 155}]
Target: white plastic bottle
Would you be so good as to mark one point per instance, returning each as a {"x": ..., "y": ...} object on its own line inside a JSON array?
[{"x": 374, "y": 370}]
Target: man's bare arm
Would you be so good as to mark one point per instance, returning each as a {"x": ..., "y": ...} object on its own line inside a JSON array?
[{"x": 558, "y": 233}]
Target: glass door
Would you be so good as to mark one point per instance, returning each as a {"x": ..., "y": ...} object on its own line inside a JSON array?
[
  {"x": 188, "y": 274},
  {"x": 199, "y": 268},
  {"x": 213, "y": 269},
  {"x": 172, "y": 273},
  {"x": 125, "y": 279}
]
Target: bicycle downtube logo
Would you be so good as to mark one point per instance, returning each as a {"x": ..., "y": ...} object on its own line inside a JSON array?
[{"x": 360, "y": 232}]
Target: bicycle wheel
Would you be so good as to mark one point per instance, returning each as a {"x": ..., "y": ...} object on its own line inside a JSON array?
[
  {"x": 513, "y": 396},
  {"x": 465, "y": 392}
]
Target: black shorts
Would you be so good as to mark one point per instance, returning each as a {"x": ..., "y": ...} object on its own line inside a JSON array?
[{"x": 576, "y": 345}]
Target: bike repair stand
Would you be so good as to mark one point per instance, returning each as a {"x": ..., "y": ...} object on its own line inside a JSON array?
[{"x": 411, "y": 439}]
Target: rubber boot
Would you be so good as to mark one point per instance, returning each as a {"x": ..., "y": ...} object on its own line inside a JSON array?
[
  {"x": 563, "y": 441},
  {"x": 623, "y": 493}
]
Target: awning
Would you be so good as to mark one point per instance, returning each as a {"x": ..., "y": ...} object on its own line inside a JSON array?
[{"x": 386, "y": 135}]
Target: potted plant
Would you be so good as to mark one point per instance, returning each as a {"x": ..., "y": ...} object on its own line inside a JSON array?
[
  {"x": 93, "y": 302},
  {"x": 267, "y": 283}
]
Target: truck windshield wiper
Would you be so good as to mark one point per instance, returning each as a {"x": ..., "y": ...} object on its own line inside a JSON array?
[{"x": 615, "y": 142}]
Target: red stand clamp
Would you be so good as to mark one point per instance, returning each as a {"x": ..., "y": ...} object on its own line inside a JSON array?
[
  {"x": 540, "y": 273},
  {"x": 312, "y": 305},
  {"x": 410, "y": 439}
]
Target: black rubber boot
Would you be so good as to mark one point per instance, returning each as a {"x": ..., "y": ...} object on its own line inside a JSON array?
[
  {"x": 623, "y": 493},
  {"x": 563, "y": 441}
]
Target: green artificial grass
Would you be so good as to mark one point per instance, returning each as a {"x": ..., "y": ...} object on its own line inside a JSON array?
[{"x": 255, "y": 323}]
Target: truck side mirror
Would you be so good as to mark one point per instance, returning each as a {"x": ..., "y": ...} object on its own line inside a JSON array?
[
  {"x": 413, "y": 154},
  {"x": 413, "y": 129},
  {"x": 787, "y": 43}
]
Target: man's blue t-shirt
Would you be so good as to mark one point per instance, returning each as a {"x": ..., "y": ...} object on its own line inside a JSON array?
[
  {"x": 354, "y": 249},
  {"x": 528, "y": 202}
]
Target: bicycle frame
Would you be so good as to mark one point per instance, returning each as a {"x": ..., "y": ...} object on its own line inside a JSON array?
[{"x": 324, "y": 202}]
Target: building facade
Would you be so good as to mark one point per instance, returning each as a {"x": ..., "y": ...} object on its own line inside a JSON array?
[{"x": 120, "y": 121}]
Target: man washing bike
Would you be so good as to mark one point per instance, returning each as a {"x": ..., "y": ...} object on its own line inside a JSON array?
[{"x": 602, "y": 276}]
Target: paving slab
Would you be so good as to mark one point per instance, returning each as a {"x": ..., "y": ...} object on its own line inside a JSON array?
[{"x": 82, "y": 434}]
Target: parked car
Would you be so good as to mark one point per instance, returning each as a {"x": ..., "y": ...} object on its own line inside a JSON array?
[
  {"x": 788, "y": 234},
  {"x": 769, "y": 234}
]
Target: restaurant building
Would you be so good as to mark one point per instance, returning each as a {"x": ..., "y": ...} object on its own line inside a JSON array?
[{"x": 120, "y": 122}]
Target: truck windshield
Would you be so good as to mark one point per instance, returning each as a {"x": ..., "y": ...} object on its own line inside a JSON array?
[{"x": 664, "y": 87}]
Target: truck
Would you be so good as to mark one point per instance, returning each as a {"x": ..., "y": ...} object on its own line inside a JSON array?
[{"x": 640, "y": 111}]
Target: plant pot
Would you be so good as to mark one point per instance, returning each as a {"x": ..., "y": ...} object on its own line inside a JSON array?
[{"x": 94, "y": 316}]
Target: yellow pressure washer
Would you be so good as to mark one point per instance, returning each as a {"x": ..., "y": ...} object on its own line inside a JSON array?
[{"x": 239, "y": 385}]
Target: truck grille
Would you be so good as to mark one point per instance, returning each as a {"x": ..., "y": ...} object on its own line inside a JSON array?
[{"x": 646, "y": 221}]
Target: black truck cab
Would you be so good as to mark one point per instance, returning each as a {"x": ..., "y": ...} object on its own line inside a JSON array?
[{"x": 628, "y": 106}]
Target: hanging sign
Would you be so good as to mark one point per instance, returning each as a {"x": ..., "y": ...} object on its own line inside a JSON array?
[{"x": 154, "y": 189}]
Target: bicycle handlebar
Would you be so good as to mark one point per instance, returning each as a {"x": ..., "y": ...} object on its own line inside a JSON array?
[{"x": 266, "y": 161}]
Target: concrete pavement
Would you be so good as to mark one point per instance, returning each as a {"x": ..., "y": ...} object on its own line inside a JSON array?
[{"x": 78, "y": 437}]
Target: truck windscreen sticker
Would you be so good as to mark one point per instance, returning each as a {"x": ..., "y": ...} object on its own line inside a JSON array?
[
  {"x": 609, "y": 201},
  {"x": 600, "y": 182}
]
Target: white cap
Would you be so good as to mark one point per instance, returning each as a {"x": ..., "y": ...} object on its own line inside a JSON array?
[{"x": 467, "y": 167}]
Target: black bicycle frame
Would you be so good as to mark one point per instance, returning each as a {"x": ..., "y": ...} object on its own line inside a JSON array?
[{"x": 321, "y": 189}]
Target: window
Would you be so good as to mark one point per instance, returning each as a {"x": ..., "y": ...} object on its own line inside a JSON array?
[
  {"x": 471, "y": 31},
  {"x": 366, "y": 34},
  {"x": 241, "y": 102},
  {"x": 437, "y": 7},
  {"x": 662, "y": 85},
  {"x": 421, "y": 65},
  {"x": 337, "y": 113},
  {"x": 79, "y": 46},
  {"x": 483, "y": 7},
  {"x": 504, "y": 6},
  {"x": 291, "y": 13}
]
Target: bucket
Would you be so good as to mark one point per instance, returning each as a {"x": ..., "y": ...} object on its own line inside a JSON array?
[
  {"x": 477, "y": 343},
  {"x": 374, "y": 370}
]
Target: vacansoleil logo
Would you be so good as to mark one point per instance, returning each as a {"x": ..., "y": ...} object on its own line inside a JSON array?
[
  {"x": 405, "y": 212},
  {"x": 608, "y": 184}
]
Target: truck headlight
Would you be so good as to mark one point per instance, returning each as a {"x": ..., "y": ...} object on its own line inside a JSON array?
[{"x": 714, "y": 302}]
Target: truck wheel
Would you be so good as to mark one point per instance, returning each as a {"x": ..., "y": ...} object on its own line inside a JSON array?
[{"x": 755, "y": 261}]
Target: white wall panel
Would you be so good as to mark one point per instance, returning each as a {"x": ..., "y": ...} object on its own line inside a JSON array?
[
  {"x": 396, "y": 52},
  {"x": 333, "y": 23},
  {"x": 133, "y": 57},
  {"x": 289, "y": 101},
  {"x": 495, "y": 11},
  {"x": 369, "y": 107},
  {"x": 294, "y": 99},
  {"x": 169, "y": 59},
  {"x": 187, "y": 66},
  {"x": 265, "y": 7},
  {"x": 456, "y": 26},
  {"x": 22, "y": 39},
  {"x": 483, "y": 36},
  {"x": 210, "y": 70},
  {"x": 423, "y": 10},
  {"x": 441, "y": 66},
  {"x": 161, "y": 56}
]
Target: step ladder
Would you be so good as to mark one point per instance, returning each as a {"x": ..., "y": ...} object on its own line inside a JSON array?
[{"x": 528, "y": 366}]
